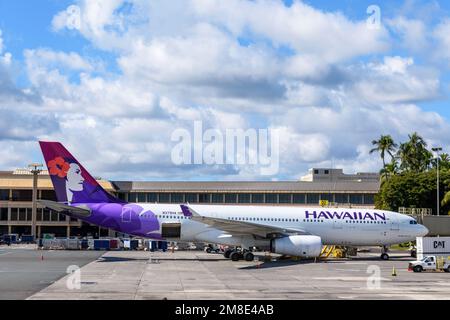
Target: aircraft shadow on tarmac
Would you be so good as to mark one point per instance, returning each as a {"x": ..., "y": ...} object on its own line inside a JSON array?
[
  {"x": 123, "y": 259},
  {"x": 288, "y": 263}
]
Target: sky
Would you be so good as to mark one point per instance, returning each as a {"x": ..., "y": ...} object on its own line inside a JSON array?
[{"x": 112, "y": 80}]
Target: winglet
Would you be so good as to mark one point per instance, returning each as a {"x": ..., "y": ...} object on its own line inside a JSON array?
[{"x": 186, "y": 210}]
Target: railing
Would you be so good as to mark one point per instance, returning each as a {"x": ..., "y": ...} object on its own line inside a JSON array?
[{"x": 416, "y": 211}]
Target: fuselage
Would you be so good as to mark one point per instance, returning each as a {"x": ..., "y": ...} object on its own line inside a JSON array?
[{"x": 335, "y": 226}]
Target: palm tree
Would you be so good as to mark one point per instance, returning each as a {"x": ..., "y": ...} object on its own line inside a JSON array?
[
  {"x": 444, "y": 162},
  {"x": 384, "y": 145},
  {"x": 390, "y": 169},
  {"x": 414, "y": 155}
]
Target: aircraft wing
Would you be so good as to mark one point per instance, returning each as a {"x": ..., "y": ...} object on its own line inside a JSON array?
[
  {"x": 240, "y": 227},
  {"x": 80, "y": 211}
]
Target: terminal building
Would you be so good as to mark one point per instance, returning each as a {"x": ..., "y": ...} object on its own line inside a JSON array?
[{"x": 333, "y": 185}]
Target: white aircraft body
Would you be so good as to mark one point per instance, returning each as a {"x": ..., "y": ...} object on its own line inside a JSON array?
[{"x": 288, "y": 230}]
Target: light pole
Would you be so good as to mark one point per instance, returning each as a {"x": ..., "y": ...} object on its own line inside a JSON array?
[
  {"x": 35, "y": 170},
  {"x": 437, "y": 149}
]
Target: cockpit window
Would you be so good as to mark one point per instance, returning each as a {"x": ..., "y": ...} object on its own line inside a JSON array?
[{"x": 412, "y": 222}]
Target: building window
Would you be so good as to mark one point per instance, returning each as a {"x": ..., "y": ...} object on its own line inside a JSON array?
[
  {"x": 298, "y": 198},
  {"x": 271, "y": 198},
  {"x": 230, "y": 198},
  {"x": 54, "y": 216},
  {"x": 327, "y": 171},
  {"x": 341, "y": 198},
  {"x": 316, "y": 171},
  {"x": 369, "y": 199},
  {"x": 122, "y": 196},
  {"x": 30, "y": 215},
  {"x": 284, "y": 197},
  {"x": 258, "y": 198},
  {"x": 39, "y": 215},
  {"x": 141, "y": 197},
  {"x": 312, "y": 198},
  {"x": 244, "y": 198},
  {"x": 46, "y": 215},
  {"x": 4, "y": 195},
  {"x": 356, "y": 199},
  {"x": 152, "y": 197},
  {"x": 3, "y": 214},
  {"x": 48, "y": 195},
  {"x": 62, "y": 217},
  {"x": 326, "y": 196},
  {"x": 204, "y": 198},
  {"x": 217, "y": 197},
  {"x": 164, "y": 197},
  {"x": 191, "y": 197},
  {"x": 22, "y": 195},
  {"x": 132, "y": 197},
  {"x": 177, "y": 197},
  {"x": 14, "y": 214},
  {"x": 22, "y": 214}
]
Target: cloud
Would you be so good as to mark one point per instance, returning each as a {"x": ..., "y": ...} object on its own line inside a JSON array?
[
  {"x": 1, "y": 42},
  {"x": 330, "y": 84},
  {"x": 412, "y": 32},
  {"x": 298, "y": 26},
  {"x": 442, "y": 35},
  {"x": 396, "y": 80},
  {"x": 58, "y": 59}
]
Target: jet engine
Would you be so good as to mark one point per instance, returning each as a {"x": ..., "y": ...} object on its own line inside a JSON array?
[{"x": 299, "y": 246}]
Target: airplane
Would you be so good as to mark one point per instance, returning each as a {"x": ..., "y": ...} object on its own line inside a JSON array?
[{"x": 287, "y": 230}]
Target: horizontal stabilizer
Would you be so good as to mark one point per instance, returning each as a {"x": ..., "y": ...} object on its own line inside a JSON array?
[{"x": 81, "y": 211}]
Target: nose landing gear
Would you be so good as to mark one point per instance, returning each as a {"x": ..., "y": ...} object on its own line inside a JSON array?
[{"x": 384, "y": 255}]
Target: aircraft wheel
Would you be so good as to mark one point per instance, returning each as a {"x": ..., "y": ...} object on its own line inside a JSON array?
[
  {"x": 227, "y": 253},
  {"x": 418, "y": 269},
  {"x": 234, "y": 256},
  {"x": 384, "y": 256},
  {"x": 248, "y": 256},
  {"x": 208, "y": 250}
]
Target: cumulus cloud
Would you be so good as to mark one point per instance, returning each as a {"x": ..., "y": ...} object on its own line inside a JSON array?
[
  {"x": 412, "y": 32},
  {"x": 327, "y": 82}
]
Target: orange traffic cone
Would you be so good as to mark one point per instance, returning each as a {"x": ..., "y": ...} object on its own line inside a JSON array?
[{"x": 394, "y": 272}]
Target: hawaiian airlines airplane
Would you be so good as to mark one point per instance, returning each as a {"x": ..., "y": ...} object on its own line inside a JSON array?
[{"x": 294, "y": 231}]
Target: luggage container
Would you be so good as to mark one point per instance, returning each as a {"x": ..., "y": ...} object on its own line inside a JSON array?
[
  {"x": 11, "y": 238},
  {"x": 134, "y": 244},
  {"x": 91, "y": 244},
  {"x": 436, "y": 246},
  {"x": 84, "y": 244},
  {"x": 114, "y": 244},
  {"x": 27, "y": 239},
  {"x": 72, "y": 244},
  {"x": 162, "y": 245},
  {"x": 53, "y": 244},
  {"x": 101, "y": 244}
]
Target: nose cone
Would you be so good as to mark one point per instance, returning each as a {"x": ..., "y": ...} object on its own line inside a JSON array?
[{"x": 422, "y": 231}]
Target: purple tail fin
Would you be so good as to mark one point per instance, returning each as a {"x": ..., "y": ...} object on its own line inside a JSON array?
[{"x": 72, "y": 182}]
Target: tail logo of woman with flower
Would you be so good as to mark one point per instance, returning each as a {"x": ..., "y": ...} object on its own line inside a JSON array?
[{"x": 71, "y": 172}]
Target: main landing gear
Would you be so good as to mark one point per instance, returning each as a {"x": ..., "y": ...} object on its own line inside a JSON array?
[
  {"x": 384, "y": 255},
  {"x": 238, "y": 254}
]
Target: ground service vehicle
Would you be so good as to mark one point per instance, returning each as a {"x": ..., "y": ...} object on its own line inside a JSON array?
[{"x": 430, "y": 263}]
